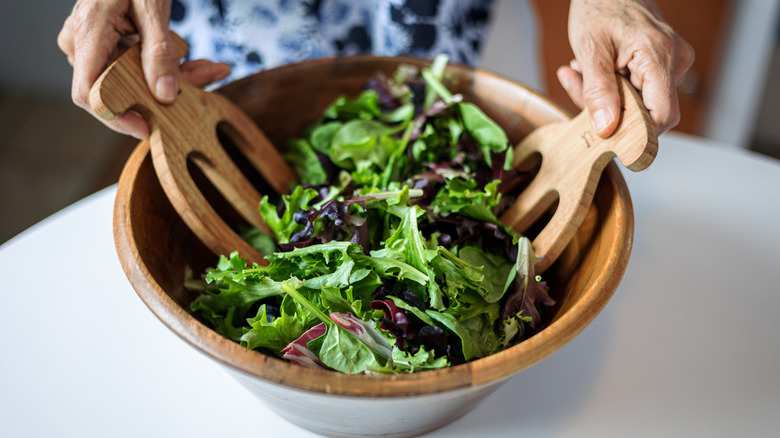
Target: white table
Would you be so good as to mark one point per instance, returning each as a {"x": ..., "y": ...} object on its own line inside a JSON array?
[{"x": 688, "y": 346}]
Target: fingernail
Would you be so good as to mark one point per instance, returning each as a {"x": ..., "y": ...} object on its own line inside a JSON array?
[
  {"x": 166, "y": 88},
  {"x": 602, "y": 119}
]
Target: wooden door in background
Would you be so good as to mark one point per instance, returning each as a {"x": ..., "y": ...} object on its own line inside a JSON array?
[{"x": 703, "y": 23}]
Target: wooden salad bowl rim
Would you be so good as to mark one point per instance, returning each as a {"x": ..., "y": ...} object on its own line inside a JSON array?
[{"x": 596, "y": 285}]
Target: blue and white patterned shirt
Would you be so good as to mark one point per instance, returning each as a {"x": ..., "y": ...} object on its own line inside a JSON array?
[{"x": 251, "y": 35}]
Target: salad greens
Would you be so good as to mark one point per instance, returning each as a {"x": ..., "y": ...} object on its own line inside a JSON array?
[{"x": 389, "y": 257}]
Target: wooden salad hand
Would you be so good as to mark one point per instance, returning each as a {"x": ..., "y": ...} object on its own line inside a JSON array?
[
  {"x": 573, "y": 157},
  {"x": 185, "y": 131}
]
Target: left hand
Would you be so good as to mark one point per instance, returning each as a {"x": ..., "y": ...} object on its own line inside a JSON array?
[
  {"x": 99, "y": 31},
  {"x": 631, "y": 37}
]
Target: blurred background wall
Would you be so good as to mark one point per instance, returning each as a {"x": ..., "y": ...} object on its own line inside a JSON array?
[{"x": 53, "y": 154}]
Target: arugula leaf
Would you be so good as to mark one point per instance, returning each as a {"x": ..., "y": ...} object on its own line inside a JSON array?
[
  {"x": 338, "y": 278},
  {"x": 433, "y": 77},
  {"x": 408, "y": 244},
  {"x": 389, "y": 267},
  {"x": 414, "y": 310},
  {"x": 403, "y": 113}
]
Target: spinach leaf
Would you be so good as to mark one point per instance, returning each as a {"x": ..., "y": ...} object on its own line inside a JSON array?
[
  {"x": 360, "y": 144},
  {"x": 495, "y": 269},
  {"x": 483, "y": 130},
  {"x": 342, "y": 351},
  {"x": 322, "y": 136},
  {"x": 259, "y": 240},
  {"x": 303, "y": 159}
]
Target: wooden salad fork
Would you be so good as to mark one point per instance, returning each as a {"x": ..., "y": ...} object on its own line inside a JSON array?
[
  {"x": 573, "y": 158},
  {"x": 185, "y": 131}
]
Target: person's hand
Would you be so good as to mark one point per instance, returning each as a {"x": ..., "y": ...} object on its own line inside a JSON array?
[
  {"x": 98, "y": 31},
  {"x": 630, "y": 37}
]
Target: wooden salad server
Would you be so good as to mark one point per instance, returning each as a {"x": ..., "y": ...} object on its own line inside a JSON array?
[
  {"x": 185, "y": 131},
  {"x": 573, "y": 157}
]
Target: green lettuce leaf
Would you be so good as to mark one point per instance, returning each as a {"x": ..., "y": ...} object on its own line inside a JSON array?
[
  {"x": 422, "y": 360},
  {"x": 231, "y": 290},
  {"x": 464, "y": 197},
  {"x": 285, "y": 226},
  {"x": 365, "y": 106},
  {"x": 276, "y": 334}
]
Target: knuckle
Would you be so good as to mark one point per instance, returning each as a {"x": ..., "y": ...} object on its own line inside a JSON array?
[
  {"x": 595, "y": 41},
  {"x": 62, "y": 41},
  {"x": 671, "y": 122},
  {"x": 669, "y": 119},
  {"x": 674, "y": 116},
  {"x": 161, "y": 50},
  {"x": 78, "y": 96},
  {"x": 83, "y": 20},
  {"x": 686, "y": 54},
  {"x": 595, "y": 95}
]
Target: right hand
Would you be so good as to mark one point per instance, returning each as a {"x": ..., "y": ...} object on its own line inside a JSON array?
[
  {"x": 98, "y": 31},
  {"x": 631, "y": 37}
]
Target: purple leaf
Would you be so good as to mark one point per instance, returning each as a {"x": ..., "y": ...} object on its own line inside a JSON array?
[
  {"x": 395, "y": 319},
  {"x": 298, "y": 353},
  {"x": 365, "y": 331}
]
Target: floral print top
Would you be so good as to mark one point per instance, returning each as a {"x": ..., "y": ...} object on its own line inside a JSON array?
[{"x": 251, "y": 35}]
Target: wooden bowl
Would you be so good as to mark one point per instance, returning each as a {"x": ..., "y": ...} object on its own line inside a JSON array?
[{"x": 156, "y": 250}]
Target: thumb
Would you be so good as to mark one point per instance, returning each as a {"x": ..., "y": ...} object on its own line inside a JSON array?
[
  {"x": 159, "y": 58},
  {"x": 600, "y": 93}
]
